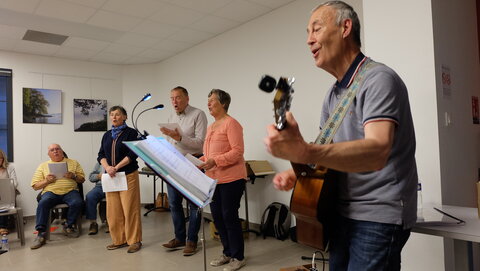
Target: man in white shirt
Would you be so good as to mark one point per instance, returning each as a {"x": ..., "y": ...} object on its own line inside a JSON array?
[{"x": 193, "y": 124}]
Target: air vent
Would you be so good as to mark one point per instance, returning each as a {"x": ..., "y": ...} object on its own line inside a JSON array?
[{"x": 44, "y": 37}]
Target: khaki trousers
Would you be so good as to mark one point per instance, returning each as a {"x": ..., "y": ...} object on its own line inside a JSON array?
[{"x": 123, "y": 213}]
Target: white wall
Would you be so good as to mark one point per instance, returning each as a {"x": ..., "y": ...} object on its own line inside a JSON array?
[{"x": 76, "y": 79}]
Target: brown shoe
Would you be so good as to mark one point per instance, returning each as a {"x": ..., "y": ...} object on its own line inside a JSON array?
[
  {"x": 134, "y": 247},
  {"x": 93, "y": 228},
  {"x": 113, "y": 246},
  {"x": 190, "y": 249},
  {"x": 174, "y": 244}
]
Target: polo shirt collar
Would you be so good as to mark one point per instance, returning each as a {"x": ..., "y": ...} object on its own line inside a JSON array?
[{"x": 350, "y": 72}]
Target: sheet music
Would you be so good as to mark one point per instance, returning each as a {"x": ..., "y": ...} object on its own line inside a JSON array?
[
  {"x": 58, "y": 169},
  {"x": 117, "y": 183},
  {"x": 193, "y": 159},
  {"x": 172, "y": 126},
  {"x": 162, "y": 157}
]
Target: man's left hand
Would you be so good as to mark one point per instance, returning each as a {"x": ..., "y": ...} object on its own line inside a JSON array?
[
  {"x": 70, "y": 175},
  {"x": 171, "y": 133},
  {"x": 287, "y": 143}
]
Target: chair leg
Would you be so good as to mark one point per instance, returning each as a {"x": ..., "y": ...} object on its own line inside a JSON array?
[{"x": 20, "y": 227}]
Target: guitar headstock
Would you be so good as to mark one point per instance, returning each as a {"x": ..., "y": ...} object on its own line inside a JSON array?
[{"x": 282, "y": 99}]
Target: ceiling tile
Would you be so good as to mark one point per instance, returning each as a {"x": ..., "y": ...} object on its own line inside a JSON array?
[
  {"x": 87, "y": 44},
  {"x": 271, "y": 3},
  {"x": 241, "y": 11},
  {"x": 12, "y": 32},
  {"x": 154, "y": 29},
  {"x": 152, "y": 53},
  {"x": 36, "y": 48},
  {"x": 89, "y": 3},
  {"x": 138, "y": 40},
  {"x": 27, "y": 6},
  {"x": 214, "y": 24},
  {"x": 75, "y": 53},
  {"x": 140, "y": 60},
  {"x": 110, "y": 58},
  {"x": 113, "y": 20},
  {"x": 204, "y": 5},
  {"x": 191, "y": 36},
  {"x": 8, "y": 44},
  {"x": 137, "y": 8},
  {"x": 65, "y": 11},
  {"x": 175, "y": 15},
  {"x": 172, "y": 46},
  {"x": 123, "y": 49}
]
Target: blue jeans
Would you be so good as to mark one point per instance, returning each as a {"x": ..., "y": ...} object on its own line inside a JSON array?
[
  {"x": 92, "y": 199},
  {"x": 175, "y": 200},
  {"x": 224, "y": 207},
  {"x": 364, "y": 245},
  {"x": 49, "y": 200}
]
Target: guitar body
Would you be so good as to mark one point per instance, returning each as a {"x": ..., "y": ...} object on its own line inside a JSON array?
[{"x": 312, "y": 203}]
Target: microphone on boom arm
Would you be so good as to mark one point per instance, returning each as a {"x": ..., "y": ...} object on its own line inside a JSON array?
[{"x": 145, "y": 133}]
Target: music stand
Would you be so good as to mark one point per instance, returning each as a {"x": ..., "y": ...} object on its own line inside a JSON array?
[
  {"x": 255, "y": 169},
  {"x": 155, "y": 177}
]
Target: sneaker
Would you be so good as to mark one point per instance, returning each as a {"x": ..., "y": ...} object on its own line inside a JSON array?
[
  {"x": 93, "y": 228},
  {"x": 174, "y": 244},
  {"x": 234, "y": 265},
  {"x": 190, "y": 248},
  {"x": 134, "y": 247},
  {"x": 69, "y": 231},
  {"x": 220, "y": 260},
  {"x": 38, "y": 242},
  {"x": 113, "y": 246}
]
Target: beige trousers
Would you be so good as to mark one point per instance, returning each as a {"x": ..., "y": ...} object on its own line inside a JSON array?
[{"x": 123, "y": 213}]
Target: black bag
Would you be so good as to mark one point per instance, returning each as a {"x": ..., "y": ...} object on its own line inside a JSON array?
[{"x": 276, "y": 221}]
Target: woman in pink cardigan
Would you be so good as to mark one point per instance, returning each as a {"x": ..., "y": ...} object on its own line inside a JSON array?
[{"x": 223, "y": 157}]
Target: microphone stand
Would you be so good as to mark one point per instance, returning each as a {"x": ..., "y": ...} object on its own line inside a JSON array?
[
  {"x": 146, "y": 97},
  {"x": 145, "y": 133}
]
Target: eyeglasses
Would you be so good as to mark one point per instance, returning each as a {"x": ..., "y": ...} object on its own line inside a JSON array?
[{"x": 55, "y": 149}]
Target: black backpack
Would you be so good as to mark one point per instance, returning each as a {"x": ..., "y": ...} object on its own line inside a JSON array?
[{"x": 276, "y": 221}]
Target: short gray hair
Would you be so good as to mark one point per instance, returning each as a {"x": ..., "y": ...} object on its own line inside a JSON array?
[
  {"x": 223, "y": 97},
  {"x": 345, "y": 11}
]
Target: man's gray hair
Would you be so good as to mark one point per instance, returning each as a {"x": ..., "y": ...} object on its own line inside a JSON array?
[{"x": 345, "y": 11}]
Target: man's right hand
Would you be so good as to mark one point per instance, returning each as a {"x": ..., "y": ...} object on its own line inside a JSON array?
[
  {"x": 51, "y": 178},
  {"x": 284, "y": 180}
]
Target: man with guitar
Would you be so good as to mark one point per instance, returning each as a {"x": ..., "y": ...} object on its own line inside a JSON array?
[{"x": 372, "y": 146}]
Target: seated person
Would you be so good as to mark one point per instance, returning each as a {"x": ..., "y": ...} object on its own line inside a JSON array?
[
  {"x": 93, "y": 198},
  {"x": 7, "y": 171},
  {"x": 56, "y": 191}
]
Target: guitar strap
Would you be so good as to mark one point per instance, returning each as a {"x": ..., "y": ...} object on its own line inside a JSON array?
[{"x": 336, "y": 118}]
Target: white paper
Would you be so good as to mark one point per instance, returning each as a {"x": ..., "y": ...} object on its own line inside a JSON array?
[
  {"x": 193, "y": 159},
  {"x": 58, "y": 169},
  {"x": 117, "y": 183},
  {"x": 171, "y": 126}
]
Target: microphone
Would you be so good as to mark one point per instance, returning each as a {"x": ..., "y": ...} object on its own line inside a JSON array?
[
  {"x": 145, "y": 133},
  {"x": 146, "y": 97}
]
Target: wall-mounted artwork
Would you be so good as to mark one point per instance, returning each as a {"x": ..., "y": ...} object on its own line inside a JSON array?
[
  {"x": 42, "y": 105},
  {"x": 89, "y": 115}
]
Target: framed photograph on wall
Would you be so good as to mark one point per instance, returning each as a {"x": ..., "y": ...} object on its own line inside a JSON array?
[
  {"x": 89, "y": 115},
  {"x": 42, "y": 105}
]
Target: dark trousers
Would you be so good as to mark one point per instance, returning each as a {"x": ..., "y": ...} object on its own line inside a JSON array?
[
  {"x": 175, "y": 200},
  {"x": 49, "y": 200},
  {"x": 224, "y": 207}
]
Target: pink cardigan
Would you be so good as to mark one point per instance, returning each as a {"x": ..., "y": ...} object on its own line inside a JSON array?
[{"x": 225, "y": 145}]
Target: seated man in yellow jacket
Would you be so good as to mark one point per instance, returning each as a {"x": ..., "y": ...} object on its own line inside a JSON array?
[{"x": 56, "y": 191}]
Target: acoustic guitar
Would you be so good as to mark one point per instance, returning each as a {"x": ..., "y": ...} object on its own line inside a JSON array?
[{"x": 313, "y": 196}]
